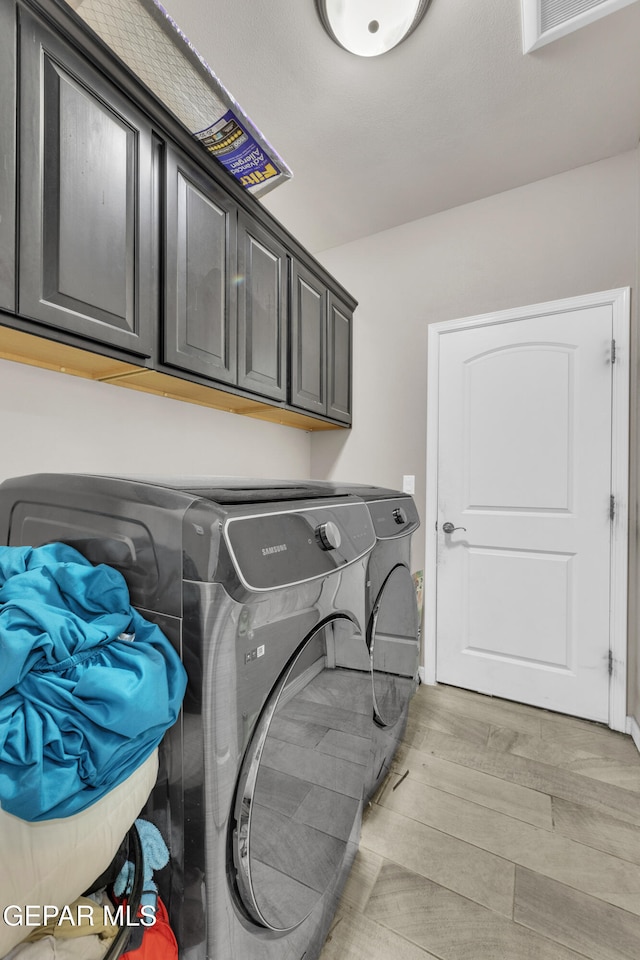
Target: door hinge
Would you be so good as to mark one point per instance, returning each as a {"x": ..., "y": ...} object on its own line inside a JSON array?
[
  {"x": 612, "y": 508},
  {"x": 610, "y": 662},
  {"x": 613, "y": 351}
]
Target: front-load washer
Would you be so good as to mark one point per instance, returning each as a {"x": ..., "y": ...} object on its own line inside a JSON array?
[{"x": 262, "y": 783}]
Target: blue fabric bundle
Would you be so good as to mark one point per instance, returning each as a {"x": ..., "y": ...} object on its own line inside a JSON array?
[{"x": 87, "y": 686}]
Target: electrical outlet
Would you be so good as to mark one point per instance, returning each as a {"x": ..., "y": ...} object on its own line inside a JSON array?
[{"x": 409, "y": 484}]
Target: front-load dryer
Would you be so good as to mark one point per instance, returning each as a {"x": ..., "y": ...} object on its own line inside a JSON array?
[
  {"x": 392, "y": 617},
  {"x": 262, "y": 783},
  {"x": 393, "y": 624}
]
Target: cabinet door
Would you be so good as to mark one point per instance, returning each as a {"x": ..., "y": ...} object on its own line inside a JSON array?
[
  {"x": 262, "y": 311},
  {"x": 8, "y": 153},
  {"x": 308, "y": 341},
  {"x": 200, "y": 293},
  {"x": 85, "y": 198},
  {"x": 339, "y": 361}
]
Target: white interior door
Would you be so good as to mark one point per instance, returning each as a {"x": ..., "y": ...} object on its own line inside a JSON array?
[{"x": 524, "y": 467}]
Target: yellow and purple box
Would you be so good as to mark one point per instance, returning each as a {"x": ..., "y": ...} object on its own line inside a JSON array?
[{"x": 153, "y": 46}]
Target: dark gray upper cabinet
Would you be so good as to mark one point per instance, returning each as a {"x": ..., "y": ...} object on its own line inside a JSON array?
[
  {"x": 86, "y": 195},
  {"x": 8, "y": 155},
  {"x": 339, "y": 365},
  {"x": 120, "y": 235},
  {"x": 200, "y": 331},
  {"x": 262, "y": 311},
  {"x": 321, "y": 338},
  {"x": 308, "y": 340}
]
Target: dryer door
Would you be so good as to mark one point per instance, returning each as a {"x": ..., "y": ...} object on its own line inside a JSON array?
[
  {"x": 299, "y": 797},
  {"x": 394, "y": 640}
]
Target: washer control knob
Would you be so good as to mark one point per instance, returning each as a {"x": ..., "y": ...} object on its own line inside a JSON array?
[
  {"x": 399, "y": 515},
  {"x": 328, "y": 535}
]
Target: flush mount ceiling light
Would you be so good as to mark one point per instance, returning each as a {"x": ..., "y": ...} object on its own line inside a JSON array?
[{"x": 370, "y": 27}]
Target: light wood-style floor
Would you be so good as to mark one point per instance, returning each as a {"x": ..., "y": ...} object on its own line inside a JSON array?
[{"x": 514, "y": 836}]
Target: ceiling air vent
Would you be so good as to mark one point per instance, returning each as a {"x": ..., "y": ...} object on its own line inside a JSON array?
[{"x": 547, "y": 20}]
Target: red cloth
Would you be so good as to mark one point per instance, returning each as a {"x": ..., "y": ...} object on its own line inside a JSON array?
[{"x": 158, "y": 941}]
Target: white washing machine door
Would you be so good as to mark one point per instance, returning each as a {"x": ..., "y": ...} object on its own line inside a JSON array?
[
  {"x": 394, "y": 640},
  {"x": 299, "y": 797}
]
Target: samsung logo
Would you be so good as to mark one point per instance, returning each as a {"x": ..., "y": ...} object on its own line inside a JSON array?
[{"x": 278, "y": 548}]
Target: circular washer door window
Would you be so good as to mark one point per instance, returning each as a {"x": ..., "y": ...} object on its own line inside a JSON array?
[
  {"x": 299, "y": 794},
  {"x": 394, "y": 645}
]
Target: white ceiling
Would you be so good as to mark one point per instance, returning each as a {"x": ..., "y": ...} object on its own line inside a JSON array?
[{"x": 454, "y": 114}]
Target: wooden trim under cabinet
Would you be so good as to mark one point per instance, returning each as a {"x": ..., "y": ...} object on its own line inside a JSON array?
[{"x": 35, "y": 351}]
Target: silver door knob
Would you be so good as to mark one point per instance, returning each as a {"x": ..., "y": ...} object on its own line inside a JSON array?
[{"x": 448, "y": 527}]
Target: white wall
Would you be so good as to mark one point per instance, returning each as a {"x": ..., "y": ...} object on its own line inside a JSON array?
[
  {"x": 56, "y": 422},
  {"x": 571, "y": 234}
]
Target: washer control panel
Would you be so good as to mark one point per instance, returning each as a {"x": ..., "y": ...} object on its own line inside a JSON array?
[{"x": 280, "y": 548}]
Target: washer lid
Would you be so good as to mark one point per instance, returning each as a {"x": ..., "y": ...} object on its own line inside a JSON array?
[{"x": 239, "y": 490}]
